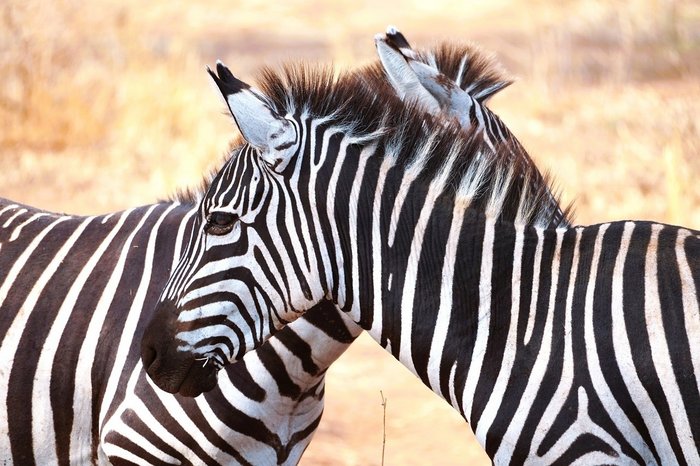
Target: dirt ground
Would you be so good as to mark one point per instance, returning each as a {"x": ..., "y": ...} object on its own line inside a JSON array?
[{"x": 106, "y": 105}]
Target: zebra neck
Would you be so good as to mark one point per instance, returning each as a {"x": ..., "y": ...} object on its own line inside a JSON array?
[{"x": 444, "y": 289}]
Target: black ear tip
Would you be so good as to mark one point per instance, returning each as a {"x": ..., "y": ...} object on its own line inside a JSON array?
[
  {"x": 223, "y": 72},
  {"x": 227, "y": 82},
  {"x": 396, "y": 39},
  {"x": 212, "y": 74}
]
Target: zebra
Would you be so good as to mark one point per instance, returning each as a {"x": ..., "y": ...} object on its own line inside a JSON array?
[
  {"x": 557, "y": 345},
  {"x": 75, "y": 293},
  {"x": 74, "y": 391}
]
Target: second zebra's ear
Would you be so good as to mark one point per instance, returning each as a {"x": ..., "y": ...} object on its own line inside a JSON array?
[
  {"x": 403, "y": 79},
  {"x": 398, "y": 58},
  {"x": 262, "y": 127}
]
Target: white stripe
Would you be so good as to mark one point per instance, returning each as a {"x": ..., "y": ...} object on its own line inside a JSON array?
[
  {"x": 8, "y": 347},
  {"x": 175, "y": 409},
  {"x": 8, "y": 207},
  {"x": 129, "y": 326},
  {"x": 554, "y": 407},
  {"x": 42, "y": 384},
  {"x": 658, "y": 341},
  {"x": 315, "y": 219},
  {"x": 128, "y": 402},
  {"x": 584, "y": 423},
  {"x": 292, "y": 288},
  {"x": 119, "y": 452},
  {"x": 484, "y": 318},
  {"x": 121, "y": 428},
  {"x": 157, "y": 427},
  {"x": 81, "y": 433},
  {"x": 330, "y": 203},
  {"x": 690, "y": 302},
  {"x": 411, "y": 279},
  {"x": 365, "y": 154},
  {"x": 177, "y": 252},
  {"x": 621, "y": 348},
  {"x": 178, "y": 278},
  {"x": 18, "y": 230},
  {"x": 378, "y": 314},
  {"x": 13, "y": 217},
  {"x": 444, "y": 314},
  {"x": 505, "y": 451},
  {"x": 536, "y": 271},
  {"x": 451, "y": 387},
  {"x": 436, "y": 188},
  {"x": 460, "y": 70},
  {"x": 398, "y": 204},
  {"x": 306, "y": 225},
  {"x": 511, "y": 346},
  {"x": 43, "y": 431}
]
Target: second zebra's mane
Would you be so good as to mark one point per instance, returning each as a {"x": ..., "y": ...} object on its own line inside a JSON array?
[{"x": 366, "y": 109}]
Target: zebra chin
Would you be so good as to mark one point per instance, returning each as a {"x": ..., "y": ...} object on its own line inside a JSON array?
[{"x": 172, "y": 370}]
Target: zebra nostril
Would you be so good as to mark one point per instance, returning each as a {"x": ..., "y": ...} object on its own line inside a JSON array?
[{"x": 148, "y": 355}]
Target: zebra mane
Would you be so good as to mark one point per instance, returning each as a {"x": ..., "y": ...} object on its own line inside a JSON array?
[
  {"x": 363, "y": 105},
  {"x": 500, "y": 185}
]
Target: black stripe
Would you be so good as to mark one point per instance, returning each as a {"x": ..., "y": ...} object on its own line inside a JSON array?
[
  {"x": 555, "y": 364},
  {"x": 583, "y": 444},
  {"x": 133, "y": 420},
  {"x": 426, "y": 301},
  {"x": 530, "y": 351},
  {"x": 633, "y": 304},
  {"x": 677, "y": 336},
  {"x": 461, "y": 333},
  {"x": 275, "y": 366},
  {"x": 298, "y": 347},
  {"x": 500, "y": 319}
]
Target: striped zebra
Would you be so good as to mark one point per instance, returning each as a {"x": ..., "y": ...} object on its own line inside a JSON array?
[
  {"x": 570, "y": 345},
  {"x": 73, "y": 297},
  {"x": 76, "y": 292}
]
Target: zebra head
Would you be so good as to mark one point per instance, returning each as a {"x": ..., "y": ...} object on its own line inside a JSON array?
[{"x": 240, "y": 276}]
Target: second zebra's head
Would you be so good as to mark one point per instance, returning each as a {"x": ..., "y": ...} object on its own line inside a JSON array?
[{"x": 253, "y": 263}]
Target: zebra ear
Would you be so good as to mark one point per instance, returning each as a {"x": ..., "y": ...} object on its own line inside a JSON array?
[
  {"x": 262, "y": 127},
  {"x": 398, "y": 57},
  {"x": 403, "y": 79}
]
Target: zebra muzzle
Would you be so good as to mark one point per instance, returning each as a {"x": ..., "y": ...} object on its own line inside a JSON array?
[{"x": 170, "y": 368}]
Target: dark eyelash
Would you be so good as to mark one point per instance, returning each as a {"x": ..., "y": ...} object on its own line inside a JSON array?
[{"x": 219, "y": 223}]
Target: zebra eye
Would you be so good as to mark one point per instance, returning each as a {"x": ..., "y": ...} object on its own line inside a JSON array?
[{"x": 219, "y": 223}]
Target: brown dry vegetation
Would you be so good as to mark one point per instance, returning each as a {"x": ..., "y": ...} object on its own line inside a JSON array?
[{"x": 105, "y": 105}]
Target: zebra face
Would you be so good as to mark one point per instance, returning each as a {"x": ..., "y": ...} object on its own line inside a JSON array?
[{"x": 238, "y": 279}]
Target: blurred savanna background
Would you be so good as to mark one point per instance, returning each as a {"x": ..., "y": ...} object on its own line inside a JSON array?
[{"x": 105, "y": 105}]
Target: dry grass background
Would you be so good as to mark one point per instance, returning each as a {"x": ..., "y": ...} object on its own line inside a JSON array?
[{"x": 105, "y": 105}]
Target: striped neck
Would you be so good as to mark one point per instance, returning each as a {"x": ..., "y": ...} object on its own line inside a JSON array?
[
  {"x": 528, "y": 332},
  {"x": 437, "y": 283}
]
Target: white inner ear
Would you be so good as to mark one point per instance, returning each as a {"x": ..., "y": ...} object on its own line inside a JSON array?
[
  {"x": 274, "y": 137},
  {"x": 282, "y": 144},
  {"x": 403, "y": 78},
  {"x": 453, "y": 100}
]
